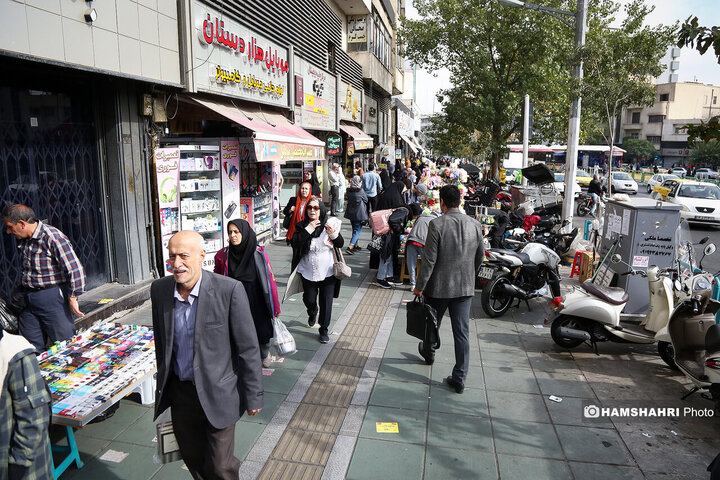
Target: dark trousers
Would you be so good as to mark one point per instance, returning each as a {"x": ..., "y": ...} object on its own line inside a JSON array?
[
  {"x": 372, "y": 204},
  {"x": 334, "y": 195},
  {"x": 46, "y": 317},
  {"x": 326, "y": 290},
  {"x": 460, "y": 321},
  {"x": 207, "y": 451}
]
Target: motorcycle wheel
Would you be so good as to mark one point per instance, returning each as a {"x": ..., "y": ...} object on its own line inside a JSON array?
[
  {"x": 494, "y": 302},
  {"x": 568, "y": 322},
  {"x": 582, "y": 209},
  {"x": 667, "y": 353}
]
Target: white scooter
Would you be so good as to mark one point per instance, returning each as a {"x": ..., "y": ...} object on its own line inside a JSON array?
[{"x": 593, "y": 313}]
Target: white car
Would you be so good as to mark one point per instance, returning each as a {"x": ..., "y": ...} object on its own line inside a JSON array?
[
  {"x": 700, "y": 202},
  {"x": 559, "y": 184},
  {"x": 679, "y": 171},
  {"x": 623, "y": 182},
  {"x": 706, "y": 173},
  {"x": 657, "y": 179}
]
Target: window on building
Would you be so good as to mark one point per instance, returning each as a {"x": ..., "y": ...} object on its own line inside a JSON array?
[
  {"x": 380, "y": 40},
  {"x": 632, "y": 135},
  {"x": 331, "y": 57},
  {"x": 664, "y": 97},
  {"x": 653, "y": 138},
  {"x": 714, "y": 100},
  {"x": 635, "y": 117},
  {"x": 655, "y": 118}
]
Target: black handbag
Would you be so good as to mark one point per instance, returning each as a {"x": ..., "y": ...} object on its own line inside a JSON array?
[
  {"x": 286, "y": 221},
  {"x": 422, "y": 322}
]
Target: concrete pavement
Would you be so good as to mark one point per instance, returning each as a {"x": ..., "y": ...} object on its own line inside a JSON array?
[{"x": 323, "y": 404}]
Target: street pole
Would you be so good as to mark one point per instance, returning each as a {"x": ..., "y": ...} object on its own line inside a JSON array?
[
  {"x": 526, "y": 133},
  {"x": 574, "y": 126}
]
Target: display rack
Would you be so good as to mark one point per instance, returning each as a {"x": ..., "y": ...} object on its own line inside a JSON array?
[
  {"x": 200, "y": 193},
  {"x": 257, "y": 211}
]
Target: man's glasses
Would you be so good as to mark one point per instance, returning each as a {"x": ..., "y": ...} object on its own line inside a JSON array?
[{"x": 314, "y": 207}]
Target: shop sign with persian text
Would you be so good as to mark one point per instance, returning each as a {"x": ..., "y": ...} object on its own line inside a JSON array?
[
  {"x": 230, "y": 59},
  {"x": 318, "y": 99}
]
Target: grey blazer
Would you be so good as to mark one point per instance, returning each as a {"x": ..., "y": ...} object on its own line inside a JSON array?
[
  {"x": 451, "y": 257},
  {"x": 226, "y": 359}
]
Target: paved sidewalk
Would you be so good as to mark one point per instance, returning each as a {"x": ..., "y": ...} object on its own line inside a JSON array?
[{"x": 322, "y": 404}]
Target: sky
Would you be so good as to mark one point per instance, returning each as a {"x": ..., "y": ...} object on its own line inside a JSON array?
[{"x": 693, "y": 66}]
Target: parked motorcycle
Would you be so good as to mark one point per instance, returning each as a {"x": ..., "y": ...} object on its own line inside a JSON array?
[{"x": 521, "y": 275}]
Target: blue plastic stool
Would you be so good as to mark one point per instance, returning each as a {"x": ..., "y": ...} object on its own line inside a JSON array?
[
  {"x": 588, "y": 227},
  {"x": 72, "y": 451}
]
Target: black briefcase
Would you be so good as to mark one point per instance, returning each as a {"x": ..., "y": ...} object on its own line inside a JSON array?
[{"x": 422, "y": 322}]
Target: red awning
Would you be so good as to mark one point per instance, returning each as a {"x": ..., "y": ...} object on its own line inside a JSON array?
[{"x": 362, "y": 140}]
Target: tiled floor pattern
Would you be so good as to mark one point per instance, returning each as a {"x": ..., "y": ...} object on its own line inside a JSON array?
[{"x": 304, "y": 447}]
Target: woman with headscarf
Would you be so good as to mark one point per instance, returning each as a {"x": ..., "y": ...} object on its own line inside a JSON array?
[
  {"x": 243, "y": 261},
  {"x": 311, "y": 178},
  {"x": 313, "y": 243},
  {"x": 295, "y": 208},
  {"x": 356, "y": 211},
  {"x": 391, "y": 197},
  {"x": 385, "y": 179}
]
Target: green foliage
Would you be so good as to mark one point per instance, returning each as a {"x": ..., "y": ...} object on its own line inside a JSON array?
[
  {"x": 638, "y": 149},
  {"x": 699, "y": 37},
  {"x": 704, "y": 132},
  {"x": 706, "y": 153}
]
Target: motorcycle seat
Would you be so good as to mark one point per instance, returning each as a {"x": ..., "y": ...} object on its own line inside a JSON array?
[
  {"x": 712, "y": 338},
  {"x": 614, "y": 296},
  {"x": 524, "y": 257}
]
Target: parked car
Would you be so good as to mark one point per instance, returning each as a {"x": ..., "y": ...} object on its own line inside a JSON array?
[
  {"x": 700, "y": 202},
  {"x": 657, "y": 179},
  {"x": 624, "y": 183},
  {"x": 559, "y": 184},
  {"x": 706, "y": 173},
  {"x": 679, "y": 171},
  {"x": 583, "y": 178}
]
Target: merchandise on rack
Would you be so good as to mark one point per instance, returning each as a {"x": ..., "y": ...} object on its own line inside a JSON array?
[{"x": 85, "y": 373}]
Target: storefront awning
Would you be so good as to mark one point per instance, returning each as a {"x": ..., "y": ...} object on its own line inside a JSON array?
[
  {"x": 410, "y": 143},
  {"x": 276, "y": 139},
  {"x": 362, "y": 140}
]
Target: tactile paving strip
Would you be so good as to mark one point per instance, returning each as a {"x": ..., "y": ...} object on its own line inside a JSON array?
[{"x": 306, "y": 443}]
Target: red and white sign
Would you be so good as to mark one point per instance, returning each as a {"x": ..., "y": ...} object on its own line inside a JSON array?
[{"x": 640, "y": 261}]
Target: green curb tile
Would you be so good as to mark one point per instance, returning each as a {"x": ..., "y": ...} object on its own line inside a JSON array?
[
  {"x": 594, "y": 470},
  {"x": 525, "y": 438},
  {"x": 388, "y": 393},
  {"x": 411, "y": 424},
  {"x": 404, "y": 370},
  {"x": 519, "y": 380},
  {"x": 271, "y": 402},
  {"x": 517, "y": 406},
  {"x": 513, "y": 467},
  {"x": 245, "y": 436},
  {"x": 598, "y": 445},
  {"x": 282, "y": 380},
  {"x": 445, "y": 463},
  {"x": 452, "y": 430},
  {"x": 376, "y": 459},
  {"x": 446, "y": 400}
]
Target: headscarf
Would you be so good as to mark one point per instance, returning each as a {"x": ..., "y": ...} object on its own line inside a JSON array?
[
  {"x": 315, "y": 184},
  {"x": 299, "y": 212},
  {"x": 323, "y": 218},
  {"x": 241, "y": 258},
  {"x": 385, "y": 178},
  {"x": 391, "y": 197},
  {"x": 356, "y": 182}
]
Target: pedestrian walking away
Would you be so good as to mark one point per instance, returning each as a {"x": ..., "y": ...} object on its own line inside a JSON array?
[
  {"x": 416, "y": 238},
  {"x": 244, "y": 261},
  {"x": 313, "y": 243},
  {"x": 372, "y": 185},
  {"x": 334, "y": 181},
  {"x": 295, "y": 209},
  {"x": 356, "y": 211},
  {"x": 447, "y": 277},
  {"x": 51, "y": 281},
  {"x": 24, "y": 412},
  {"x": 207, "y": 380}
]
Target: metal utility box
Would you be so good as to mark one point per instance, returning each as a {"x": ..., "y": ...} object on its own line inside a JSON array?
[{"x": 648, "y": 230}]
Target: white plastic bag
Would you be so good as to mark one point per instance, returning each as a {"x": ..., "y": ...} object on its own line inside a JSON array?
[{"x": 283, "y": 340}]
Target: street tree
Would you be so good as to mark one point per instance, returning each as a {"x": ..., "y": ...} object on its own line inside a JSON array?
[
  {"x": 620, "y": 63},
  {"x": 495, "y": 56},
  {"x": 638, "y": 149},
  {"x": 706, "y": 153}
]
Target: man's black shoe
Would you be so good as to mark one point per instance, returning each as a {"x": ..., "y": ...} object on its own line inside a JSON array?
[
  {"x": 453, "y": 384},
  {"x": 312, "y": 319},
  {"x": 324, "y": 338},
  {"x": 421, "y": 351}
]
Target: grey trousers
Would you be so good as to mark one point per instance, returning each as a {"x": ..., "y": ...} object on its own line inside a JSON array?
[{"x": 460, "y": 321}]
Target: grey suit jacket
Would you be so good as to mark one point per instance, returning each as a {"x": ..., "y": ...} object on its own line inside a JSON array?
[
  {"x": 451, "y": 257},
  {"x": 226, "y": 356}
]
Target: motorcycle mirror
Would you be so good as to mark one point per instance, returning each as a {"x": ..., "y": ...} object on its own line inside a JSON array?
[
  {"x": 704, "y": 240},
  {"x": 616, "y": 258},
  {"x": 677, "y": 285},
  {"x": 709, "y": 249}
]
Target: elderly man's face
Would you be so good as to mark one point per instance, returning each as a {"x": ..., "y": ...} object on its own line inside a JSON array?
[{"x": 185, "y": 257}]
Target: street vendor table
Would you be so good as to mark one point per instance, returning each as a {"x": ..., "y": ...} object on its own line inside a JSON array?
[{"x": 95, "y": 370}]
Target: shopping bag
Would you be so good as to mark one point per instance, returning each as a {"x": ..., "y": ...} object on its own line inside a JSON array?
[
  {"x": 283, "y": 340},
  {"x": 8, "y": 320},
  {"x": 422, "y": 322},
  {"x": 340, "y": 269},
  {"x": 379, "y": 221}
]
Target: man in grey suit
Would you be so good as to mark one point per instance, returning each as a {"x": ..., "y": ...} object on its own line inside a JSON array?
[
  {"x": 208, "y": 359},
  {"x": 447, "y": 277}
]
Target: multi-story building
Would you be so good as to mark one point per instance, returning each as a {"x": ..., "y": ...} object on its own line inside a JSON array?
[{"x": 676, "y": 104}]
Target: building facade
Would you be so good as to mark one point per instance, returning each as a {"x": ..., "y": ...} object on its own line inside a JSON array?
[{"x": 676, "y": 104}]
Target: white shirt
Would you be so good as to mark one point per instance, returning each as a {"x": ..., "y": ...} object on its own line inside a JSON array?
[{"x": 317, "y": 265}]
